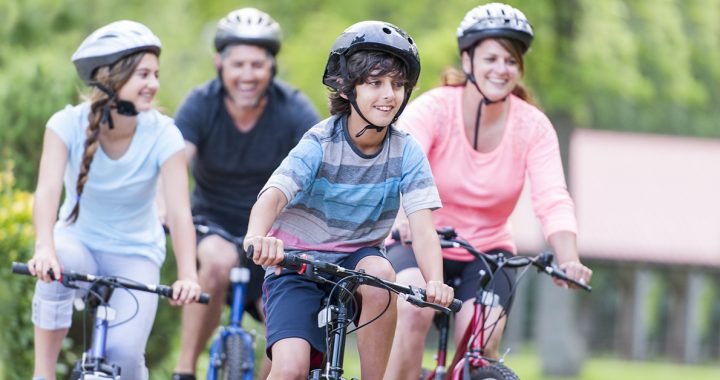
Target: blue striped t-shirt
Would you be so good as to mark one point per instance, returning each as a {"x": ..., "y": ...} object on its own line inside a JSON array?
[{"x": 339, "y": 199}]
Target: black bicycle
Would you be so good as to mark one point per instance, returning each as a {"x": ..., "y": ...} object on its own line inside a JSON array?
[
  {"x": 94, "y": 365},
  {"x": 337, "y": 312}
]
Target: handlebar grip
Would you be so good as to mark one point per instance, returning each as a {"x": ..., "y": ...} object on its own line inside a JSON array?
[
  {"x": 204, "y": 298},
  {"x": 167, "y": 291},
  {"x": 21, "y": 268},
  {"x": 395, "y": 235},
  {"x": 455, "y": 305},
  {"x": 249, "y": 252}
]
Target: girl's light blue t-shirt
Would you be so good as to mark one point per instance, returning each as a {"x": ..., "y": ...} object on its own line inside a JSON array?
[{"x": 117, "y": 206}]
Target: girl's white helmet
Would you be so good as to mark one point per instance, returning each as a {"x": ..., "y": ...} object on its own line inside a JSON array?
[{"x": 111, "y": 43}]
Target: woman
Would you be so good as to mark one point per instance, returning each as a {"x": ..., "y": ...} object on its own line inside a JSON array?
[
  {"x": 109, "y": 151},
  {"x": 481, "y": 122}
]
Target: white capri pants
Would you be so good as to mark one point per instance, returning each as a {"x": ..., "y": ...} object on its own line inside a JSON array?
[{"x": 52, "y": 302}]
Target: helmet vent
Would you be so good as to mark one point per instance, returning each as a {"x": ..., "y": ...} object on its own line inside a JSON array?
[
  {"x": 387, "y": 30},
  {"x": 410, "y": 40}
]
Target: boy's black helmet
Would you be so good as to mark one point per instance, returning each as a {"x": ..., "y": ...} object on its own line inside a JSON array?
[{"x": 374, "y": 35}]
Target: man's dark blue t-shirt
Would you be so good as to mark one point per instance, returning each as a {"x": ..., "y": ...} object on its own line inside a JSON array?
[{"x": 230, "y": 166}]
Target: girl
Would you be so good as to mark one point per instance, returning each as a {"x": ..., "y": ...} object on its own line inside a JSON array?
[{"x": 109, "y": 152}]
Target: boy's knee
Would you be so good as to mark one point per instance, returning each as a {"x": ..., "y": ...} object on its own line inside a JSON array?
[
  {"x": 378, "y": 267},
  {"x": 288, "y": 369}
]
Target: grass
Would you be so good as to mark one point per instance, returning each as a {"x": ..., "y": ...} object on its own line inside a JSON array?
[{"x": 526, "y": 363}]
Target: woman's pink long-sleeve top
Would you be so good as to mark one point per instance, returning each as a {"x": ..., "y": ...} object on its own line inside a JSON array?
[{"x": 480, "y": 190}]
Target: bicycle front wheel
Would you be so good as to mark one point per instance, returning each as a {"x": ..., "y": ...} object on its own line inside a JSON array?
[
  {"x": 493, "y": 372},
  {"x": 238, "y": 359}
]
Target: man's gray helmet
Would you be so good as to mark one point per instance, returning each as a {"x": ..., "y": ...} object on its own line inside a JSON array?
[
  {"x": 111, "y": 43},
  {"x": 494, "y": 20},
  {"x": 248, "y": 26}
]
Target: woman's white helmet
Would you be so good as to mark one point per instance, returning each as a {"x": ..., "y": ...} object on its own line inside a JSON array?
[
  {"x": 111, "y": 43},
  {"x": 494, "y": 20}
]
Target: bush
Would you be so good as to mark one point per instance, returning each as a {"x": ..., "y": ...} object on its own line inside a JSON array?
[{"x": 16, "y": 240}]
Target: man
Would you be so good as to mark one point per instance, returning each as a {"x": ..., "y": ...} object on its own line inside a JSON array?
[{"x": 237, "y": 127}]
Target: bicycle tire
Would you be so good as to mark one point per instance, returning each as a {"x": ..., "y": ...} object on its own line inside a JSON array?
[
  {"x": 235, "y": 366},
  {"x": 493, "y": 372}
]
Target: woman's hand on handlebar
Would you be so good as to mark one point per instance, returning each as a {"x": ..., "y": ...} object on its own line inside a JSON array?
[
  {"x": 268, "y": 250},
  {"x": 184, "y": 292},
  {"x": 401, "y": 228},
  {"x": 438, "y": 292},
  {"x": 576, "y": 271}
]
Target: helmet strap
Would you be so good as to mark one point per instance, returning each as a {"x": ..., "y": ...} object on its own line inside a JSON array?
[
  {"x": 123, "y": 107},
  {"x": 351, "y": 98},
  {"x": 485, "y": 100}
]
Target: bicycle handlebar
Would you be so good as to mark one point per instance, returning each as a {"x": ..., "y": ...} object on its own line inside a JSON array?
[
  {"x": 543, "y": 262},
  {"x": 412, "y": 294},
  {"x": 66, "y": 277}
]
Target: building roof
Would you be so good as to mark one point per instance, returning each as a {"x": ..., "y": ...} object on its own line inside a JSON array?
[{"x": 639, "y": 198}]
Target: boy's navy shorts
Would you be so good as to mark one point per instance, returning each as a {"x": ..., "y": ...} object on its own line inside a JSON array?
[{"x": 292, "y": 301}]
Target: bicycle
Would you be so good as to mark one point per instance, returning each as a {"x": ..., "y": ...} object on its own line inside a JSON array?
[
  {"x": 469, "y": 361},
  {"x": 232, "y": 352},
  {"x": 337, "y": 314},
  {"x": 93, "y": 364}
]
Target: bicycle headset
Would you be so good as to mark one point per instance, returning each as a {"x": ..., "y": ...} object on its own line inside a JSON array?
[
  {"x": 105, "y": 47},
  {"x": 372, "y": 35}
]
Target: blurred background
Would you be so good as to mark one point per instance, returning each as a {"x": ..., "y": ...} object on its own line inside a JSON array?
[{"x": 632, "y": 87}]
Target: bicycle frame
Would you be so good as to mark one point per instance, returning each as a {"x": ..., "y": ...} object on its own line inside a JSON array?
[
  {"x": 219, "y": 354},
  {"x": 239, "y": 277},
  {"x": 470, "y": 350},
  {"x": 93, "y": 364},
  {"x": 337, "y": 323},
  {"x": 93, "y": 361}
]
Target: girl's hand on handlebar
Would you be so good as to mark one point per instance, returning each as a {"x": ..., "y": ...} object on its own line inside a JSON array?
[
  {"x": 267, "y": 250},
  {"x": 185, "y": 292},
  {"x": 438, "y": 292},
  {"x": 42, "y": 263},
  {"x": 576, "y": 271}
]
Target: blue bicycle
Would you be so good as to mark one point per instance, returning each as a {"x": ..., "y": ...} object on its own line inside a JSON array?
[
  {"x": 94, "y": 365},
  {"x": 232, "y": 353}
]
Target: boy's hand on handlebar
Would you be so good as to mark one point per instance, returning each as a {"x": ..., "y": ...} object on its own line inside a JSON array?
[
  {"x": 438, "y": 292},
  {"x": 185, "y": 292},
  {"x": 267, "y": 250},
  {"x": 576, "y": 271}
]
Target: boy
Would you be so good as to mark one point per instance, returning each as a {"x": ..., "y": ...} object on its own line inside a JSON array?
[{"x": 336, "y": 195}]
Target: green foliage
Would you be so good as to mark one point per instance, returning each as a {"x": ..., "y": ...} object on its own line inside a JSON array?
[
  {"x": 642, "y": 65},
  {"x": 16, "y": 240}
]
